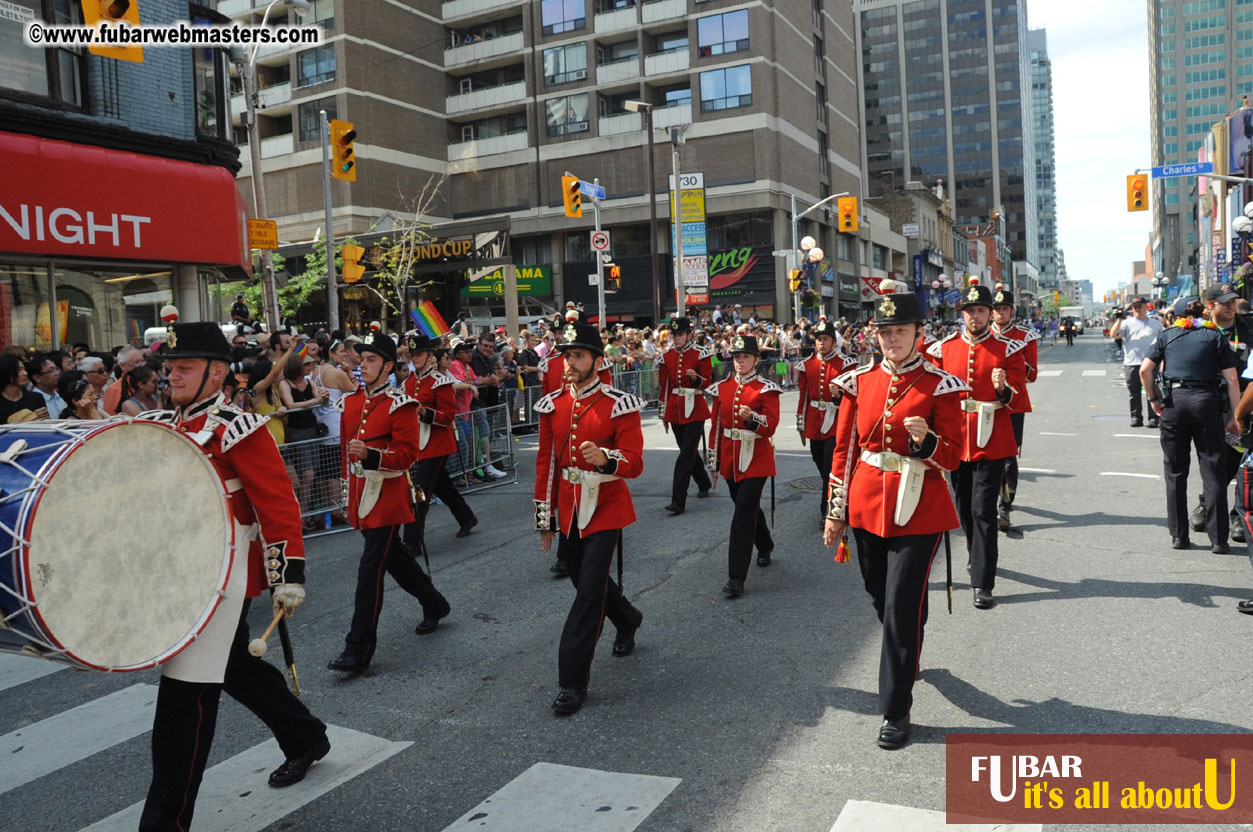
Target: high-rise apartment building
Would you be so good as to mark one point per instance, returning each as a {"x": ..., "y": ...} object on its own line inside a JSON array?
[
  {"x": 945, "y": 95},
  {"x": 1201, "y": 51},
  {"x": 1045, "y": 157},
  {"x": 504, "y": 96}
]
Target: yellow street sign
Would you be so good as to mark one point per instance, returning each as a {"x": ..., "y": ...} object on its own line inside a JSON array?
[{"x": 262, "y": 234}]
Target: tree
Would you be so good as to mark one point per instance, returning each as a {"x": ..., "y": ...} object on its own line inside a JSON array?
[
  {"x": 397, "y": 254},
  {"x": 296, "y": 293}
]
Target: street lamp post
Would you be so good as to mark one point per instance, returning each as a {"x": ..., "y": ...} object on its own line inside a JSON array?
[
  {"x": 792, "y": 262},
  {"x": 268, "y": 292},
  {"x": 676, "y": 222},
  {"x": 650, "y": 190}
]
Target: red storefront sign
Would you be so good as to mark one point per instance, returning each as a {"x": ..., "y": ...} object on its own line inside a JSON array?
[{"x": 73, "y": 200}]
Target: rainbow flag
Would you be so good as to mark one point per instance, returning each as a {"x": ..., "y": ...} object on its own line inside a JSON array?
[
  {"x": 427, "y": 318},
  {"x": 303, "y": 349}
]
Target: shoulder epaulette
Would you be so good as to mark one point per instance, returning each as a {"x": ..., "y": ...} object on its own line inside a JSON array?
[
  {"x": 399, "y": 399},
  {"x": 624, "y": 402},
  {"x": 239, "y": 425},
  {"x": 1032, "y": 335},
  {"x": 770, "y": 387},
  {"x": 165, "y": 417},
  {"x": 713, "y": 388},
  {"x": 848, "y": 381},
  {"x": 542, "y": 367},
  {"x": 548, "y": 403},
  {"x": 949, "y": 383},
  {"x": 1012, "y": 345},
  {"x": 937, "y": 349},
  {"x": 443, "y": 380},
  {"x": 706, "y": 352}
]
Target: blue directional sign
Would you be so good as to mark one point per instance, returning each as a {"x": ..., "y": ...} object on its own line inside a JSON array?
[
  {"x": 1187, "y": 169},
  {"x": 591, "y": 191}
]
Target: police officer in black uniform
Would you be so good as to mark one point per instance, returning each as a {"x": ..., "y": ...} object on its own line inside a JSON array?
[{"x": 1198, "y": 369}]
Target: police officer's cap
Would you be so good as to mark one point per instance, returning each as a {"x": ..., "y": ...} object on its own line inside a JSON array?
[{"x": 1181, "y": 305}]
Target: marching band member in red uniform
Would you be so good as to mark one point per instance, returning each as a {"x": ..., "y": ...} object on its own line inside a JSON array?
[
  {"x": 379, "y": 436},
  {"x": 437, "y": 441},
  {"x": 590, "y": 442},
  {"x": 684, "y": 372},
  {"x": 819, "y": 399},
  {"x": 1004, "y": 326},
  {"x": 746, "y": 415},
  {"x": 900, "y": 430},
  {"x": 993, "y": 369},
  {"x": 261, "y": 500}
]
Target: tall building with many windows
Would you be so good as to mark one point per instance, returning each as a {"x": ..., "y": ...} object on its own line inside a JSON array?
[
  {"x": 504, "y": 96},
  {"x": 945, "y": 96},
  {"x": 1202, "y": 62},
  {"x": 1045, "y": 157}
]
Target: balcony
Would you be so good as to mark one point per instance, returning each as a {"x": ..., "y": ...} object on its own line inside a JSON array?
[
  {"x": 618, "y": 71},
  {"x": 235, "y": 8},
  {"x": 486, "y": 147},
  {"x": 492, "y": 48},
  {"x": 274, "y": 95},
  {"x": 663, "y": 63},
  {"x": 490, "y": 97},
  {"x": 618, "y": 20},
  {"x": 269, "y": 54},
  {"x": 620, "y": 123},
  {"x": 673, "y": 116},
  {"x": 664, "y": 10},
  {"x": 462, "y": 8}
]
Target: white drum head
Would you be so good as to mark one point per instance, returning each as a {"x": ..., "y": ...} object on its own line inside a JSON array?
[{"x": 129, "y": 546}]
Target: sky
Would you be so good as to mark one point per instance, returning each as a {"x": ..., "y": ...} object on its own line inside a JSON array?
[{"x": 1099, "y": 50}]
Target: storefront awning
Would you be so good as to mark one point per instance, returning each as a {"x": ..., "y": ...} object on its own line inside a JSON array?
[{"x": 72, "y": 200}]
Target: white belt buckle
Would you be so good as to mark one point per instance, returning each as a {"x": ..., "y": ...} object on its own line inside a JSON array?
[
  {"x": 970, "y": 405},
  {"x": 574, "y": 475},
  {"x": 735, "y": 434},
  {"x": 357, "y": 469},
  {"x": 891, "y": 461}
]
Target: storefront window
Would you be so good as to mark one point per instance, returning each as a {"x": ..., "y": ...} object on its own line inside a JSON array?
[
  {"x": 25, "y": 318},
  {"x": 108, "y": 307},
  {"x": 733, "y": 231}
]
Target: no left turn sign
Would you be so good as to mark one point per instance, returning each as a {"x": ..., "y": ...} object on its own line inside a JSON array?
[{"x": 600, "y": 241}]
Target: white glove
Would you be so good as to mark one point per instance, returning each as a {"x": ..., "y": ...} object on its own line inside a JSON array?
[{"x": 288, "y": 597}]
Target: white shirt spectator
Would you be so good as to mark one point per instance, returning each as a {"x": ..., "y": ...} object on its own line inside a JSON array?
[{"x": 1137, "y": 337}]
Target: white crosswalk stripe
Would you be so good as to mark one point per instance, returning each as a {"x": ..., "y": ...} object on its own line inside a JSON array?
[
  {"x": 1094, "y": 373},
  {"x": 234, "y": 797},
  {"x": 1049, "y": 373},
  {"x": 864, "y": 816},
  {"x": 18, "y": 670}
]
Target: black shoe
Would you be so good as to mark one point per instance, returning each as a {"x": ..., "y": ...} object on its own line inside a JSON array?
[
  {"x": 674, "y": 508},
  {"x": 559, "y": 568},
  {"x": 569, "y": 700},
  {"x": 429, "y": 623},
  {"x": 1220, "y": 549},
  {"x": 347, "y": 664},
  {"x": 1180, "y": 542},
  {"x": 984, "y": 599},
  {"x": 1245, "y": 607},
  {"x": 464, "y": 531},
  {"x": 1002, "y": 519},
  {"x": 1137, "y": 423},
  {"x": 703, "y": 493},
  {"x": 893, "y": 733},
  {"x": 293, "y": 770},
  {"x": 624, "y": 644},
  {"x": 1237, "y": 533},
  {"x": 1155, "y": 423},
  {"x": 734, "y": 587},
  {"x": 1197, "y": 518},
  {"x": 763, "y": 558}
]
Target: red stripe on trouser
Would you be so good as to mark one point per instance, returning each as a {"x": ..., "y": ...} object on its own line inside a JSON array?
[
  {"x": 378, "y": 597},
  {"x": 194, "y": 756},
  {"x": 1244, "y": 515},
  {"x": 926, "y": 578}
]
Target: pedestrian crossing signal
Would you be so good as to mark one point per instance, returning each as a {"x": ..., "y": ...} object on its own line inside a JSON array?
[
  {"x": 570, "y": 196},
  {"x": 343, "y": 157},
  {"x": 113, "y": 13},
  {"x": 613, "y": 281},
  {"x": 794, "y": 280},
  {"x": 1137, "y": 183},
  {"x": 352, "y": 270},
  {"x": 848, "y": 213}
]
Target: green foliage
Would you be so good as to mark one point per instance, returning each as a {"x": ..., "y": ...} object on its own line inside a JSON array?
[{"x": 300, "y": 290}]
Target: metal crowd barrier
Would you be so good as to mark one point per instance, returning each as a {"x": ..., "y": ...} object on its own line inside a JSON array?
[
  {"x": 314, "y": 466},
  {"x": 521, "y": 403}
]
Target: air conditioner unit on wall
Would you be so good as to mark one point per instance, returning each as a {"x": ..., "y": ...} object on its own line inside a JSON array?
[{"x": 578, "y": 75}]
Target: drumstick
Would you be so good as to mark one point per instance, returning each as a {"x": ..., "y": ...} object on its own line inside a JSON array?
[{"x": 257, "y": 646}]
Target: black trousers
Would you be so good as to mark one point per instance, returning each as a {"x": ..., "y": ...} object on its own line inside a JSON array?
[
  {"x": 1243, "y": 509},
  {"x": 895, "y": 571},
  {"x": 975, "y": 489},
  {"x": 1134, "y": 389},
  {"x": 186, "y": 716},
  {"x": 748, "y": 525},
  {"x": 432, "y": 477},
  {"x": 384, "y": 553},
  {"x": 596, "y": 595},
  {"x": 1018, "y": 420},
  {"x": 1194, "y": 417},
  {"x": 688, "y": 466},
  {"x": 822, "y": 450}
]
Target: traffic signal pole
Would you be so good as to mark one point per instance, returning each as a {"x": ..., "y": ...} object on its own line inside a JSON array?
[
  {"x": 268, "y": 293},
  {"x": 600, "y": 267},
  {"x": 332, "y": 291}
]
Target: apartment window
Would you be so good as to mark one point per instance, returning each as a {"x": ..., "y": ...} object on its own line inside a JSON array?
[
  {"x": 1170, "y": 80},
  {"x": 566, "y": 115},
  {"x": 719, "y": 34},
  {"x": 56, "y": 74},
  {"x": 1169, "y": 63},
  {"x": 1170, "y": 97},
  {"x": 1171, "y": 114},
  {"x": 843, "y": 250},
  {"x": 209, "y": 83},
  {"x": 822, "y": 153},
  {"x": 674, "y": 95},
  {"x": 1203, "y": 6},
  {"x": 1203, "y": 75},
  {"x": 1170, "y": 149},
  {"x": 516, "y": 122},
  {"x": 310, "y": 120},
  {"x": 613, "y": 104},
  {"x": 880, "y": 255},
  {"x": 611, "y": 53},
  {"x": 315, "y": 66},
  {"x": 322, "y": 13},
  {"x": 1168, "y": 46},
  {"x": 1168, "y": 30},
  {"x": 564, "y": 64},
  {"x": 1172, "y": 199},
  {"x": 559, "y": 16},
  {"x": 725, "y": 89},
  {"x": 1201, "y": 59},
  {"x": 1168, "y": 12},
  {"x": 672, "y": 41}
]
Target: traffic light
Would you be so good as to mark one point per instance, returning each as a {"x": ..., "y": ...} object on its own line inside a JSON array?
[
  {"x": 848, "y": 213},
  {"x": 343, "y": 157},
  {"x": 352, "y": 270},
  {"x": 1136, "y": 185},
  {"x": 571, "y": 197},
  {"x": 613, "y": 282},
  {"x": 794, "y": 280},
  {"x": 113, "y": 12}
]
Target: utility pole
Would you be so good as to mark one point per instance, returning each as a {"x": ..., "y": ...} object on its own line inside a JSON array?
[
  {"x": 268, "y": 293},
  {"x": 676, "y": 225},
  {"x": 332, "y": 291},
  {"x": 600, "y": 266}
]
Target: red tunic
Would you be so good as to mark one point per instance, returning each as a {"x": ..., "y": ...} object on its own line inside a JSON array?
[
  {"x": 606, "y": 417},
  {"x": 872, "y": 418},
  {"x": 758, "y": 395},
  {"x": 244, "y": 453},
  {"x": 387, "y": 422},
  {"x": 814, "y": 378},
  {"x": 672, "y": 370},
  {"x": 973, "y": 363},
  {"x": 434, "y": 391},
  {"x": 552, "y": 371},
  {"x": 1031, "y": 358}
]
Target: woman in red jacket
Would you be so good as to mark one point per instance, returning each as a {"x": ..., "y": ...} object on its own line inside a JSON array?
[{"x": 899, "y": 433}]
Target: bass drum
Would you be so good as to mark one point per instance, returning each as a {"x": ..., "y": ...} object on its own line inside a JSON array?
[{"x": 118, "y": 542}]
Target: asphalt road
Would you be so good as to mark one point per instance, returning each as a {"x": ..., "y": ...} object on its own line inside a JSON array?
[{"x": 750, "y": 714}]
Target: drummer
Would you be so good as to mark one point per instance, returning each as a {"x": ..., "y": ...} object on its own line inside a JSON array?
[{"x": 265, "y": 508}]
